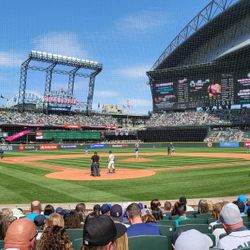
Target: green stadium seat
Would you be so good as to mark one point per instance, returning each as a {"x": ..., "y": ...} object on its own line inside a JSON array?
[
  {"x": 1, "y": 244},
  {"x": 167, "y": 222},
  {"x": 167, "y": 231},
  {"x": 203, "y": 228},
  {"x": 203, "y": 216},
  {"x": 148, "y": 242},
  {"x": 210, "y": 220},
  {"x": 74, "y": 233},
  {"x": 244, "y": 248},
  {"x": 174, "y": 217},
  {"x": 193, "y": 221},
  {"x": 77, "y": 243},
  {"x": 212, "y": 237}
]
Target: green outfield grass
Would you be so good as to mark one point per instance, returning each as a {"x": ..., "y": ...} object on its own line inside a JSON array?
[{"x": 21, "y": 183}]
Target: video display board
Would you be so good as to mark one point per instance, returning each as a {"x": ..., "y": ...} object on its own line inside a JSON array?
[{"x": 202, "y": 91}]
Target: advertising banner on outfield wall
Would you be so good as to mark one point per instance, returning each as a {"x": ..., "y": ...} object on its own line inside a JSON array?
[
  {"x": 68, "y": 146},
  {"x": 119, "y": 145},
  {"x": 48, "y": 147},
  {"x": 92, "y": 146},
  {"x": 6, "y": 147},
  {"x": 28, "y": 147},
  {"x": 246, "y": 144},
  {"x": 229, "y": 144}
]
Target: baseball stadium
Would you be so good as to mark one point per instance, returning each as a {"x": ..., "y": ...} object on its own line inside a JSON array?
[{"x": 195, "y": 143}]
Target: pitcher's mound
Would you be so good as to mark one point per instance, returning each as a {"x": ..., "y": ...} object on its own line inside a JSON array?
[
  {"x": 84, "y": 175},
  {"x": 137, "y": 160}
]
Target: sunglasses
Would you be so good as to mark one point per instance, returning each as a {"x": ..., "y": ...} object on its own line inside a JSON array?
[{"x": 33, "y": 236}]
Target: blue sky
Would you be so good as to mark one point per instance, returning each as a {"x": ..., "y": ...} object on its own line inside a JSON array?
[{"x": 126, "y": 36}]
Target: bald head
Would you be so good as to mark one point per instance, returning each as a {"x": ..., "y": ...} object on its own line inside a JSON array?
[
  {"x": 36, "y": 207},
  {"x": 20, "y": 234}
]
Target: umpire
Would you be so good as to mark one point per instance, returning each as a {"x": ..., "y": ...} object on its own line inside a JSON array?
[{"x": 95, "y": 165}]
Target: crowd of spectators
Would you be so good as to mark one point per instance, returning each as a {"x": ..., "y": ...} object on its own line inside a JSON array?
[
  {"x": 187, "y": 118},
  {"x": 166, "y": 119},
  {"x": 112, "y": 227},
  {"x": 199, "y": 118},
  {"x": 13, "y": 117},
  {"x": 227, "y": 135}
]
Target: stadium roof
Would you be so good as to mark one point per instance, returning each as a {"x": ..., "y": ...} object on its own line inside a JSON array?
[{"x": 217, "y": 15}]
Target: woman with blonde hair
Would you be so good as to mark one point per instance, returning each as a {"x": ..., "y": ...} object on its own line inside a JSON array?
[
  {"x": 121, "y": 243},
  {"x": 54, "y": 220}
]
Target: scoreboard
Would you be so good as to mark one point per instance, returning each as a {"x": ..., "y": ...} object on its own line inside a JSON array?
[{"x": 190, "y": 92}]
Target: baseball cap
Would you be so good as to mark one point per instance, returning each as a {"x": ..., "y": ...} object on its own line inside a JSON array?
[
  {"x": 99, "y": 231},
  {"x": 193, "y": 240},
  {"x": 110, "y": 151},
  {"x": 39, "y": 220},
  {"x": 116, "y": 212},
  {"x": 230, "y": 214},
  {"x": 105, "y": 208},
  {"x": 242, "y": 198}
]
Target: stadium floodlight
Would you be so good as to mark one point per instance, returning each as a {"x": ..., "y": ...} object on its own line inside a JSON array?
[{"x": 64, "y": 59}]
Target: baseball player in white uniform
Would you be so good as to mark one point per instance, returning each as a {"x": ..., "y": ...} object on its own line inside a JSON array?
[{"x": 111, "y": 163}]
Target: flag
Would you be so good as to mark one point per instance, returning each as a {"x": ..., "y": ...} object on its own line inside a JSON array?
[
  {"x": 2, "y": 97},
  {"x": 128, "y": 105},
  {"x": 99, "y": 105}
]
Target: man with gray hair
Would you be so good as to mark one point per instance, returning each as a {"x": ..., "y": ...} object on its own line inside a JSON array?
[{"x": 237, "y": 234}]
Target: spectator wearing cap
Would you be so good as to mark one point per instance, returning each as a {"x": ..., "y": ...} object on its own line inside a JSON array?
[
  {"x": 105, "y": 209},
  {"x": 21, "y": 235},
  {"x": 116, "y": 213},
  {"x": 237, "y": 234},
  {"x": 193, "y": 240},
  {"x": 240, "y": 204},
  {"x": 100, "y": 233},
  {"x": 183, "y": 200},
  {"x": 40, "y": 220},
  {"x": 137, "y": 227},
  {"x": 244, "y": 199}
]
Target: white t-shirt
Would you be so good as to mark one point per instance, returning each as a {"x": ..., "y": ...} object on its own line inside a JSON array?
[
  {"x": 234, "y": 240},
  {"x": 111, "y": 157}
]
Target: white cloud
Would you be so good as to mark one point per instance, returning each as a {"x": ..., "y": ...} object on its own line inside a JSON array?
[
  {"x": 105, "y": 94},
  {"x": 65, "y": 43},
  {"x": 143, "y": 21},
  {"x": 133, "y": 72},
  {"x": 10, "y": 59}
]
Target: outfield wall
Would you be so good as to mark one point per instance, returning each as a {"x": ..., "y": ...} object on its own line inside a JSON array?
[{"x": 51, "y": 147}]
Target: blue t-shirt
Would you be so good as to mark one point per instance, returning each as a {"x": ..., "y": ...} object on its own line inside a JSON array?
[
  {"x": 32, "y": 216},
  {"x": 143, "y": 229}
]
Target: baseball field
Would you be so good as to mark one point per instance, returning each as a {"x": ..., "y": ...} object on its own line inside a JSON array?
[{"x": 63, "y": 176}]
